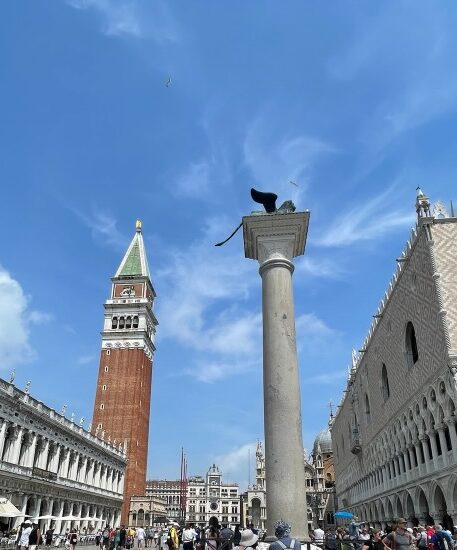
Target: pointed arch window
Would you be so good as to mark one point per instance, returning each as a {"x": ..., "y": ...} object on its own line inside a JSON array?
[
  {"x": 412, "y": 354},
  {"x": 367, "y": 408},
  {"x": 385, "y": 383}
]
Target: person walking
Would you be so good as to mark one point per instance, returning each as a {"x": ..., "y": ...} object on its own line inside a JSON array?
[
  {"x": 140, "y": 537},
  {"x": 73, "y": 538},
  {"x": 399, "y": 538},
  {"x": 26, "y": 529},
  {"x": 236, "y": 536},
  {"x": 34, "y": 537},
  {"x": 249, "y": 540},
  {"x": 188, "y": 537},
  {"x": 49, "y": 536},
  {"x": 441, "y": 539},
  {"x": 282, "y": 533}
]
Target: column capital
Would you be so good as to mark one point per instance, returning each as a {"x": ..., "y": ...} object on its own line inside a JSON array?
[{"x": 280, "y": 236}]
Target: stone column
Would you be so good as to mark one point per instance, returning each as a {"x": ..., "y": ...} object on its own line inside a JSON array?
[
  {"x": 42, "y": 461},
  {"x": 443, "y": 443},
  {"x": 274, "y": 240},
  {"x": 31, "y": 451},
  {"x": 423, "y": 440},
  {"x": 431, "y": 435},
  {"x": 58, "y": 525},
  {"x": 16, "y": 448},
  {"x": 450, "y": 421},
  {"x": 3, "y": 436}
]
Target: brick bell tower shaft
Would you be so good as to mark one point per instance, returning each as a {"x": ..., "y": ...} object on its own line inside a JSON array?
[{"x": 123, "y": 396}]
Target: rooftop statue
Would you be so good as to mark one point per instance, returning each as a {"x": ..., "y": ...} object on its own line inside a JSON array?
[{"x": 268, "y": 200}]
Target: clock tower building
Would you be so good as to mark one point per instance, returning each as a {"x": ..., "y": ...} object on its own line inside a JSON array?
[{"x": 123, "y": 396}]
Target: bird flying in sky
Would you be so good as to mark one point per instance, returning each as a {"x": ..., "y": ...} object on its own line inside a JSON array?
[
  {"x": 168, "y": 82},
  {"x": 293, "y": 183}
]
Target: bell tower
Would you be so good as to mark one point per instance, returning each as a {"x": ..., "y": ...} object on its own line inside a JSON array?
[{"x": 123, "y": 396}]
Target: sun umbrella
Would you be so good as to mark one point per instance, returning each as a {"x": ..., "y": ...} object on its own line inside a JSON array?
[
  {"x": 48, "y": 516},
  {"x": 8, "y": 510},
  {"x": 343, "y": 514}
]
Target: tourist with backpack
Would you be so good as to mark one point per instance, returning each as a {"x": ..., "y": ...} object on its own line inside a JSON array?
[
  {"x": 226, "y": 538},
  {"x": 105, "y": 538},
  {"x": 282, "y": 533},
  {"x": 441, "y": 539}
]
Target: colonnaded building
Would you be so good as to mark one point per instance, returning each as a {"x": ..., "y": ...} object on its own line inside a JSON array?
[
  {"x": 394, "y": 433},
  {"x": 204, "y": 497},
  {"x": 320, "y": 487},
  {"x": 49, "y": 465}
]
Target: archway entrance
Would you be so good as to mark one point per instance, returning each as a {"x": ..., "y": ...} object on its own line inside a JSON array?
[
  {"x": 255, "y": 512},
  {"x": 440, "y": 505}
]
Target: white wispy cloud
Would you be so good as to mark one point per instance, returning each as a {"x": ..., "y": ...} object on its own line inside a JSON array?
[
  {"x": 198, "y": 309},
  {"x": 367, "y": 221},
  {"x": 326, "y": 268},
  {"x": 129, "y": 19},
  {"x": 275, "y": 162},
  {"x": 87, "y": 359},
  {"x": 419, "y": 83},
  {"x": 327, "y": 378},
  {"x": 15, "y": 321},
  {"x": 194, "y": 182},
  {"x": 238, "y": 463},
  {"x": 103, "y": 228}
]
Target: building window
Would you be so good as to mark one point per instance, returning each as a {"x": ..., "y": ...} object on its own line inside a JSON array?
[
  {"x": 104, "y": 387},
  {"x": 128, "y": 322},
  {"x": 367, "y": 408},
  {"x": 102, "y": 406},
  {"x": 135, "y": 321},
  {"x": 412, "y": 354},
  {"x": 121, "y": 322},
  {"x": 385, "y": 383},
  {"x": 108, "y": 352},
  {"x": 106, "y": 369},
  {"x": 114, "y": 322},
  {"x": 99, "y": 427}
]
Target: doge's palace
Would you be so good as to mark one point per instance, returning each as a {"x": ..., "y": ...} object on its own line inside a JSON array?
[
  {"x": 50, "y": 465},
  {"x": 394, "y": 433}
]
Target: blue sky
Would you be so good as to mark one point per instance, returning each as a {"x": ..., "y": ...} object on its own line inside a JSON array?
[{"x": 355, "y": 102}]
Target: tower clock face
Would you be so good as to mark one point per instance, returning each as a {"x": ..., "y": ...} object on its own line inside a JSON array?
[{"x": 213, "y": 506}]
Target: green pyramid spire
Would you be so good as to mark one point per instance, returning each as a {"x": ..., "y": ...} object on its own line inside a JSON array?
[{"x": 135, "y": 263}]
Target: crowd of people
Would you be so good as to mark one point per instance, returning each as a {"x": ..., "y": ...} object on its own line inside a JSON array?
[{"x": 397, "y": 536}]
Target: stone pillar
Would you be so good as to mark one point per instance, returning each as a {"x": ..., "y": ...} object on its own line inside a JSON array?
[
  {"x": 423, "y": 440},
  {"x": 274, "y": 240},
  {"x": 3, "y": 436},
  {"x": 55, "y": 460},
  {"x": 443, "y": 443},
  {"x": 431, "y": 435},
  {"x": 16, "y": 447},
  {"x": 58, "y": 525},
  {"x": 17, "y": 521},
  {"x": 42, "y": 461},
  {"x": 31, "y": 451}
]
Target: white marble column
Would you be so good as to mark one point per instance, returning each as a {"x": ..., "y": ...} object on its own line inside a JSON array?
[
  {"x": 82, "y": 471},
  {"x": 44, "y": 455},
  {"x": 274, "y": 240},
  {"x": 16, "y": 447},
  {"x": 55, "y": 459},
  {"x": 3, "y": 429},
  {"x": 58, "y": 525}
]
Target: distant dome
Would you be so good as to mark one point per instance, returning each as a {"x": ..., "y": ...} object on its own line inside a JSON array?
[{"x": 324, "y": 441}]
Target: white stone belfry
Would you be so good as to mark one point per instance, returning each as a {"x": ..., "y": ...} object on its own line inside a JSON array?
[{"x": 274, "y": 240}]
